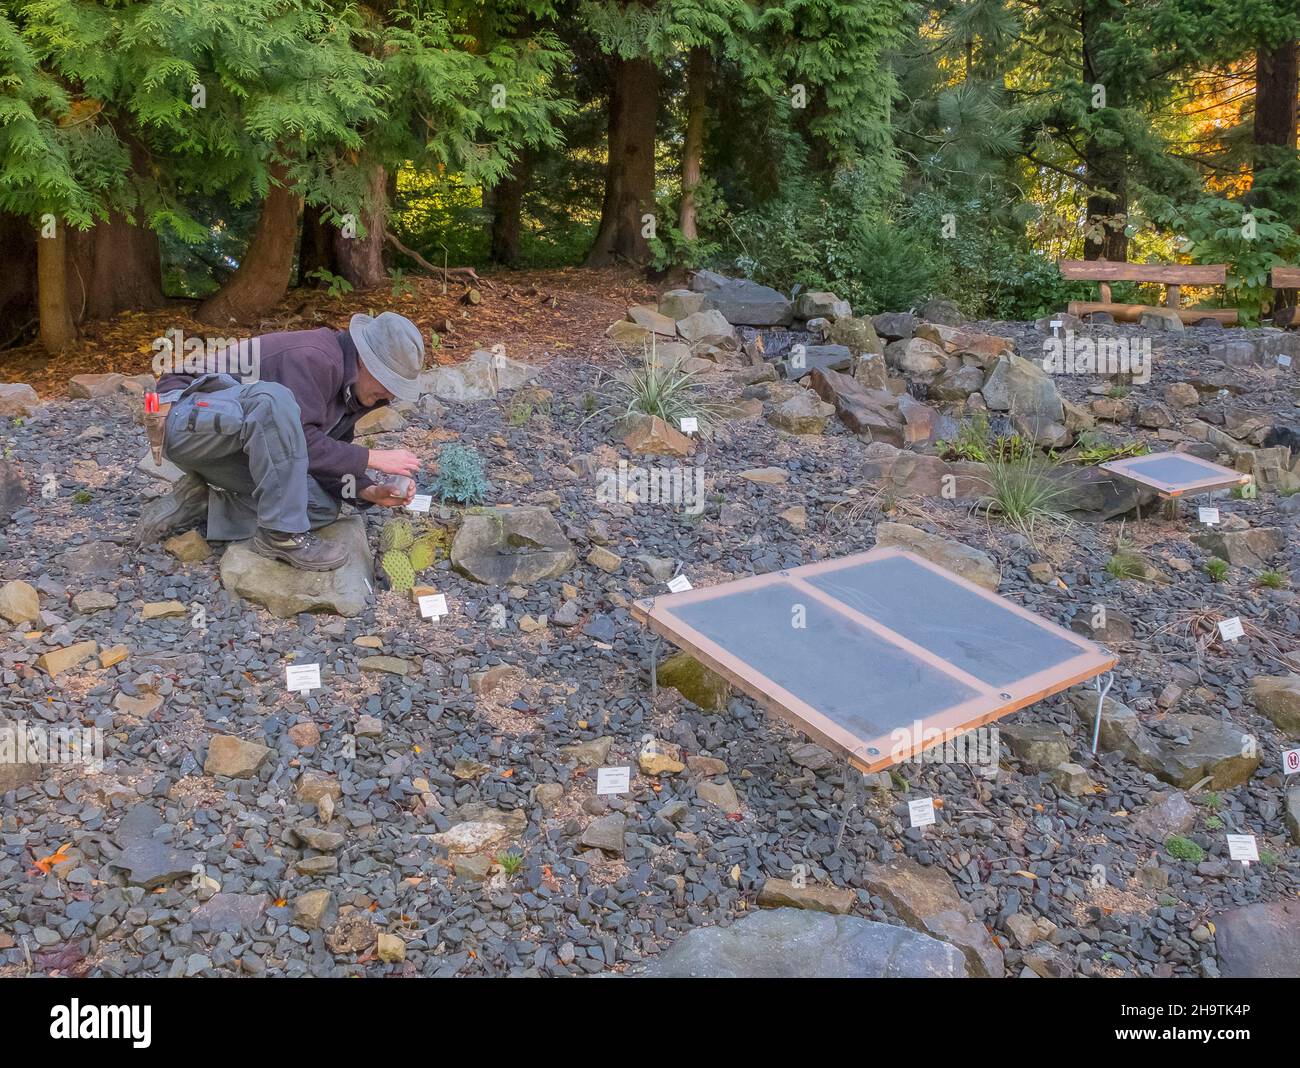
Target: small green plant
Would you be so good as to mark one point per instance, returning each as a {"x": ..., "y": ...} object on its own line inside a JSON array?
[
  {"x": 335, "y": 285},
  {"x": 1272, "y": 580},
  {"x": 511, "y": 861},
  {"x": 1022, "y": 489},
  {"x": 460, "y": 475},
  {"x": 667, "y": 391},
  {"x": 406, "y": 552},
  {"x": 82, "y": 497},
  {"x": 971, "y": 442},
  {"x": 1090, "y": 449},
  {"x": 1217, "y": 569},
  {"x": 402, "y": 286},
  {"x": 1268, "y": 858},
  {"x": 1213, "y": 823},
  {"x": 1118, "y": 391},
  {"x": 1181, "y": 848},
  {"x": 1126, "y": 565},
  {"x": 1212, "y": 800},
  {"x": 522, "y": 409}
]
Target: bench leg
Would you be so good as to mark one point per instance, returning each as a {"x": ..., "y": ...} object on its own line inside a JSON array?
[{"x": 1172, "y": 296}]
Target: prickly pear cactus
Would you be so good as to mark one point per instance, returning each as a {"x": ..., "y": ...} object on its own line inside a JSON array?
[
  {"x": 397, "y": 534},
  {"x": 397, "y": 566},
  {"x": 423, "y": 552}
]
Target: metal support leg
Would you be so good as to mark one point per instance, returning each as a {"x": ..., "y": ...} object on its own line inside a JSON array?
[
  {"x": 654, "y": 669},
  {"x": 851, "y": 776},
  {"x": 1102, "y": 691}
]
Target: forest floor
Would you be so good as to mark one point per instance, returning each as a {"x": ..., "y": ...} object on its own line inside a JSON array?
[
  {"x": 506, "y": 707},
  {"x": 534, "y": 314}
]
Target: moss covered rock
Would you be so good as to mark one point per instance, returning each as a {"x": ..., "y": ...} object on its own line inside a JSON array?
[{"x": 694, "y": 681}]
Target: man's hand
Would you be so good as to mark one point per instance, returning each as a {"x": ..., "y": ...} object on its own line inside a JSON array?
[
  {"x": 380, "y": 495},
  {"x": 394, "y": 461}
]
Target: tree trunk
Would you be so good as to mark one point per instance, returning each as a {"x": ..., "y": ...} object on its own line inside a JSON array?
[
  {"x": 113, "y": 267},
  {"x": 316, "y": 249},
  {"x": 263, "y": 275},
  {"x": 630, "y": 172},
  {"x": 1277, "y": 86},
  {"x": 361, "y": 259},
  {"x": 1105, "y": 166},
  {"x": 58, "y": 330},
  {"x": 18, "y": 311},
  {"x": 507, "y": 204},
  {"x": 697, "y": 104}
]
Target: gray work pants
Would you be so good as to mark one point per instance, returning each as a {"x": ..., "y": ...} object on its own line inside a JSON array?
[{"x": 246, "y": 442}]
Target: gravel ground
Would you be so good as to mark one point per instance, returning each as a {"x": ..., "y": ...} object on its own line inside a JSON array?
[{"x": 224, "y": 875}]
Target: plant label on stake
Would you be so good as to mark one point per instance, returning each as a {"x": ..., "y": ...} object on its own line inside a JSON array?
[
  {"x": 690, "y": 424},
  {"x": 302, "y": 678},
  {"x": 421, "y": 502},
  {"x": 1209, "y": 516},
  {"x": 921, "y": 812},
  {"x": 1291, "y": 761},
  {"x": 1242, "y": 847},
  {"x": 1231, "y": 629},
  {"x": 613, "y": 780},
  {"x": 679, "y": 584}
]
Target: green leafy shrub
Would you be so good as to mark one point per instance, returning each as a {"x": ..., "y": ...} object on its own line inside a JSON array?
[
  {"x": 1181, "y": 848},
  {"x": 1217, "y": 569},
  {"x": 460, "y": 475}
]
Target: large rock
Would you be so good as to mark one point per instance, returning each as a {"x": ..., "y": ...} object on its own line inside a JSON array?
[
  {"x": 1091, "y": 495},
  {"x": 1041, "y": 746},
  {"x": 478, "y": 378},
  {"x": 802, "y": 413},
  {"x": 941, "y": 310},
  {"x": 1170, "y": 814},
  {"x": 873, "y": 413},
  {"x": 1260, "y": 941},
  {"x": 1015, "y": 385},
  {"x": 17, "y": 399},
  {"x": 1243, "y": 548},
  {"x": 1278, "y": 697},
  {"x": 285, "y": 591},
  {"x": 782, "y": 893},
  {"x": 13, "y": 491},
  {"x": 1202, "y": 747},
  {"x": 234, "y": 758},
  {"x": 799, "y": 944},
  {"x": 511, "y": 546},
  {"x": 915, "y": 356},
  {"x": 679, "y": 303},
  {"x": 95, "y": 386},
  {"x": 746, "y": 303},
  {"x": 905, "y": 473},
  {"x": 704, "y": 324},
  {"x": 648, "y": 435},
  {"x": 694, "y": 681},
  {"x": 810, "y": 358},
  {"x": 19, "y": 602},
  {"x": 894, "y": 326},
  {"x": 653, "y": 320},
  {"x": 857, "y": 335},
  {"x": 821, "y": 305},
  {"x": 960, "y": 559},
  {"x": 926, "y": 900},
  {"x": 95, "y": 559}
]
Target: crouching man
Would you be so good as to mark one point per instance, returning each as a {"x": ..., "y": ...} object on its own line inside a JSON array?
[{"x": 273, "y": 459}]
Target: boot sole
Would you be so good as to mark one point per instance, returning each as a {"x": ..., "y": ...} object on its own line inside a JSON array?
[
  {"x": 287, "y": 557},
  {"x": 181, "y": 515}
]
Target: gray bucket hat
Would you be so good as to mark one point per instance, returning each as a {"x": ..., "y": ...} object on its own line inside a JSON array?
[{"x": 392, "y": 350}]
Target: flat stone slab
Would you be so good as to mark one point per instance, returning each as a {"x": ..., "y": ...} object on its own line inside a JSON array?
[
  {"x": 798, "y": 944},
  {"x": 285, "y": 591},
  {"x": 1260, "y": 941},
  {"x": 479, "y": 378}
]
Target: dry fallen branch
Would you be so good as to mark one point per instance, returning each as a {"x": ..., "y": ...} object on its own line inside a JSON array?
[{"x": 467, "y": 274}]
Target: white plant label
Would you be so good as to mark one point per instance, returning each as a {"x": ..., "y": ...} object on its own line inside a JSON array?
[
  {"x": 679, "y": 584},
  {"x": 1284, "y": 361},
  {"x": 613, "y": 780},
  {"x": 1231, "y": 629},
  {"x": 921, "y": 811},
  {"x": 433, "y": 605},
  {"x": 302, "y": 678},
  {"x": 1209, "y": 516},
  {"x": 690, "y": 425},
  {"x": 421, "y": 502},
  {"x": 1291, "y": 761},
  {"x": 1242, "y": 847}
]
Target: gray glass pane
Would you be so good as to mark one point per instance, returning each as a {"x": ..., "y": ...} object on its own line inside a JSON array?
[
  {"x": 982, "y": 638},
  {"x": 843, "y": 670},
  {"x": 1172, "y": 470}
]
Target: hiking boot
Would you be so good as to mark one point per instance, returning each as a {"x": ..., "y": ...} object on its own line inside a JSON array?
[
  {"x": 182, "y": 508},
  {"x": 306, "y": 551}
]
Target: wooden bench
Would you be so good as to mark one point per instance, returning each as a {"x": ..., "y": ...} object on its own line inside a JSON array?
[
  {"x": 1171, "y": 275},
  {"x": 1285, "y": 278}
]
